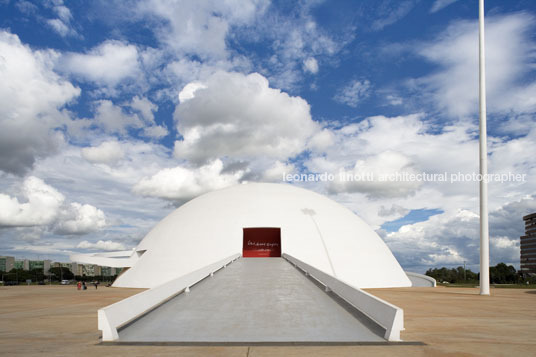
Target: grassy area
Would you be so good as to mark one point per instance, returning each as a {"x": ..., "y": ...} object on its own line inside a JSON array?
[
  {"x": 499, "y": 286},
  {"x": 458, "y": 285},
  {"x": 514, "y": 286}
]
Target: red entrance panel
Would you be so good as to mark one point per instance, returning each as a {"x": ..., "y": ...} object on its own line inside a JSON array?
[{"x": 262, "y": 242}]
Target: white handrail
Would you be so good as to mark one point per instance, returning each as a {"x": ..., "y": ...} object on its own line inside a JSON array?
[
  {"x": 387, "y": 315},
  {"x": 420, "y": 280},
  {"x": 112, "y": 317}
]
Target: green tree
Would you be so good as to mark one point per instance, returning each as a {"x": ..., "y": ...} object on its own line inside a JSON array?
[
  {"x": 453, "y": 276},
  {"x": 23, "y": 275},
  {"x": 499, "y": 274},
  {"x": 61, "y": 273},
  {"x": 503, "y": 274}
]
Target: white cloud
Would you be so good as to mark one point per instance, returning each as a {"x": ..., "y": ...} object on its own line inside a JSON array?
[
  {"x": 107, "y": 187},
  {"x": 113, "y": 120},
  {"x": 155, "y": 132},
  {"x": 298, "y": 43},
  {"x": 107, "y": 64},
  {"x": 389, "y": 14},
  {"x": 241, "y": 117},
  {"x": 44, "y": 248},
  {"x": 394, "y": 99},
  {"x": 311, "y": 65},
  {"x": 62, "y": 11},
  {"x": 372, "y": 176},
  {"x": 197, "y": 34},
  {"x": 29, "y": 234},
  {"x": 444, "y": 239},
  {"x": 441, "y": 4},
  {"x": 59, "y": 26},
  {"x": 181, "y": 184},
  {"x": 26, "y": 7},
  {"x": 408, "y": 136},
  {"x": 109, "y": 152},
  {"x": 42, "y": 207},
  {"x": 504, "y": 242},
  {"x": 145, "y": 107},
  {"x": 80, "y": 219},
  {"x": 321, "y": 140},
  {"x": 276, "y": 171},
  {"x": 414, "y": 145},
  {"x": 200, "y": 27},
  {"x": 353, "y": 93},
  {"x": 31, "y": 96},
  {"x": 453, "y": 237},
  {"x": 188, "y": 92},
  {"x": 454, "y": 88},
  {"x": 107, "y": 245},
  {"x": 62, "y": 25},
  {"x": 46, "y": 206},
  {"x": 395, "y": 210}
]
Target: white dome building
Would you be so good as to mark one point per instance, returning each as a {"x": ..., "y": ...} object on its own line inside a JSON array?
[{"x": 259, "y": 219}]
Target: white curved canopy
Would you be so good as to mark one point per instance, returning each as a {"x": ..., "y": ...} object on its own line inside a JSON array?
[{"x": 314, "y": 229}]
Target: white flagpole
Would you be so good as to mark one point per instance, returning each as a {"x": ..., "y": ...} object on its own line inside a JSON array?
[{"x": 483, "y": 151}]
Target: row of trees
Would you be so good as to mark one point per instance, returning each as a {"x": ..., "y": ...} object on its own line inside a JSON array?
[
  {"x": 21, "y": 275},
  {"x": 54, "y": 274},
  {"x": 499, "y": 274}
]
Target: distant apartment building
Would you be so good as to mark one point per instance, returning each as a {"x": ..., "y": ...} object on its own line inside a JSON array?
[
  {"x": 90, "y": 270},
  {"x": 19, "y": 264},
  {"x": 73, "y": 267},
  {"x": 22, "y": 264},
  {"x": 40, "y": 264},
  {"x": 26, "y": 264},
  {"x": 86, "y": 270},
  {"x": 93, "y": 270},
  {"x": 108, "y": 271},
  {"x": 78, "y": 269},
  {"x": 528, "y": 246},
  {"x": 7, "y": 263}
]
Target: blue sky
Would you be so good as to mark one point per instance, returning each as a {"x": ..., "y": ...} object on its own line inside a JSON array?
[{"x": 113, "y": 113}]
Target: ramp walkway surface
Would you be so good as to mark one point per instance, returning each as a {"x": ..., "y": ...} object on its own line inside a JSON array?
[{"x": 254, "y": 300}]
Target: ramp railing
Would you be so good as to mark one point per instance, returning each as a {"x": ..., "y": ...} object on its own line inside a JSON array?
[
  {"x": 387, "y": 315},
  {"x": 113, "y": 317},
  {"x": 419, "y": 280}
]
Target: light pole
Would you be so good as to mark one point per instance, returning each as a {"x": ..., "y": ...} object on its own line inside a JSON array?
[{"x": 483, "y": 153}]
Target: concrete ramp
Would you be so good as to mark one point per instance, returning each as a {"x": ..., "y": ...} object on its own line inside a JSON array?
[{"x": 254, "y": 300}]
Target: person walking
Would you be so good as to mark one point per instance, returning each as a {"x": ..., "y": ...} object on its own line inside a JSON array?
[
  {"x": 84, "y": 287},
  {"x": 78, "y": 286}
]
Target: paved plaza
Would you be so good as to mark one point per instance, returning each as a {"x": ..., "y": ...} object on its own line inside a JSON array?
[{"x": 61, "y": 321}]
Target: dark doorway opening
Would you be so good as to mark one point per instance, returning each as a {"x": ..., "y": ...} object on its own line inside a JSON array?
[{"x": 262, "y": 242}]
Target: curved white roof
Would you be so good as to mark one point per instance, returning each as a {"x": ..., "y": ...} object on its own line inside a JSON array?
[{"x": 314, "y": 229}]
